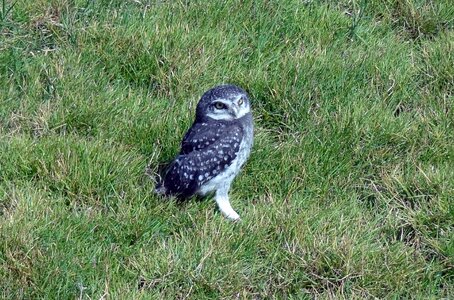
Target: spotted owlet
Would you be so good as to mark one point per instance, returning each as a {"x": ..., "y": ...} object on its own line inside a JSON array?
[{"x": 214, "y": 149}]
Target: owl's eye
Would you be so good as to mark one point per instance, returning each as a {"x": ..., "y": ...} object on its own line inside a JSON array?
[
  {"x": 219, "y": 105},
  {"x": 241, "y": 101}
]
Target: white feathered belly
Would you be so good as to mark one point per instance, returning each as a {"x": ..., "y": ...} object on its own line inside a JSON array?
[{"x": 227, "y": 176}]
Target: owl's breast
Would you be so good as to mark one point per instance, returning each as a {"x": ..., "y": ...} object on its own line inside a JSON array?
[
  {"x": 232, "y": 170},
  {"x": 245, "y": 146},
  {"x": 247, "y": 140}
]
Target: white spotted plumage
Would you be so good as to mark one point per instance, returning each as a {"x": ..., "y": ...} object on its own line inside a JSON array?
[{"x": 214, "y": 149}]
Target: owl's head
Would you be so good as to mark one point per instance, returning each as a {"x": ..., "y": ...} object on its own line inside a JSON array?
[{"x": 224, "y": 102}]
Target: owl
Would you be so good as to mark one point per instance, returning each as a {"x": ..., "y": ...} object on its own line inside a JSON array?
[{"x": 214, "y": 149}]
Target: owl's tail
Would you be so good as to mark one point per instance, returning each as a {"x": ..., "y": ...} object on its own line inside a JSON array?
[
  {"x": 155, "y": 174},
  {"x": 160, "y": 189}
]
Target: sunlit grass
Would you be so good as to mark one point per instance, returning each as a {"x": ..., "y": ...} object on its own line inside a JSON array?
[{"x": 349, "y": 189}]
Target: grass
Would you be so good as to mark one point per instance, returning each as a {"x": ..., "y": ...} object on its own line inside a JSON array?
[{"x": 349, "y": 189}]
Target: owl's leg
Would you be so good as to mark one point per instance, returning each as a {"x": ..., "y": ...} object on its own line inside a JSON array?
[{"x": 222, "y": 199}]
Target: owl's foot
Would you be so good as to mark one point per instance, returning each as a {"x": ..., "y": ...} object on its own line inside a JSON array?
[
  {"x": 233, "y": 216},
  {"x": 226, "y": 209}
]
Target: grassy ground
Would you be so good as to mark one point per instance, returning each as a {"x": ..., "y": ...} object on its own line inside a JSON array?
[{"x": 349, "y": 189}]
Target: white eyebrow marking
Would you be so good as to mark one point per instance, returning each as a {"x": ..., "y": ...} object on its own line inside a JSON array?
[{"x": 227, "y": 117}]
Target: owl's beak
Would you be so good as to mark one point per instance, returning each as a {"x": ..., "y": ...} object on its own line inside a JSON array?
[{"x": 236, "y": 109}]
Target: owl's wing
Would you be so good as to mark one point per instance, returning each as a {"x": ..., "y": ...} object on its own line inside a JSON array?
[
  {"x": 202, "y": 135},
  {"x": 190, "y": 171}
]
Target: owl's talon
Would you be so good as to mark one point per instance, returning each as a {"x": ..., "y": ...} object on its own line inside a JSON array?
[
  {"x": 224, "y": 206},
  {"x": 233, "y": 217}
]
